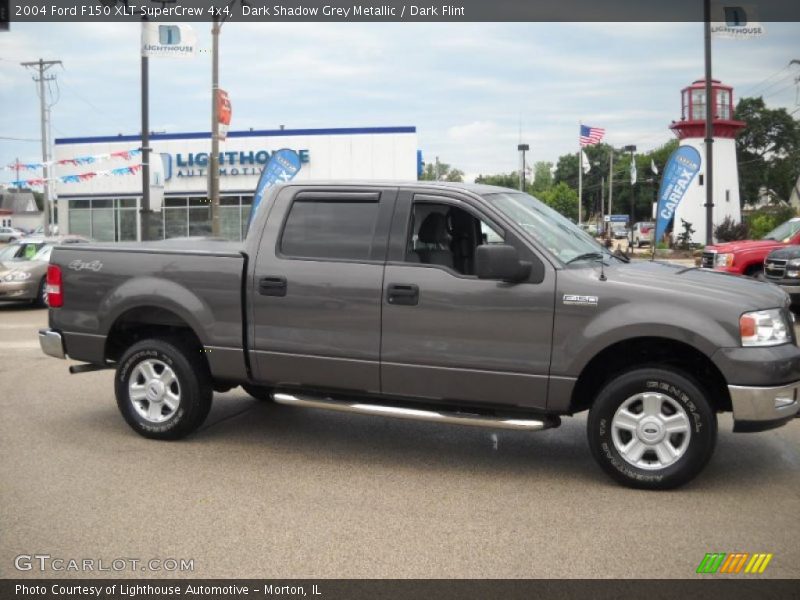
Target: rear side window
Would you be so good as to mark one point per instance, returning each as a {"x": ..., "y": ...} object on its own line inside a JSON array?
[{"x": 335, "y": 229}]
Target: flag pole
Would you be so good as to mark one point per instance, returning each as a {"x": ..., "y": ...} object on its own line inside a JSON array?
[{"x": 580, "y": 174}]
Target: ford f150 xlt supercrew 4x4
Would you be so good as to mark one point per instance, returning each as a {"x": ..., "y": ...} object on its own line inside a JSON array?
[{"x": 451, "y": 303}]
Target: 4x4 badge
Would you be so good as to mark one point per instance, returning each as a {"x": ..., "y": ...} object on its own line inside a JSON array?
[{"x": 574, "y": 299}]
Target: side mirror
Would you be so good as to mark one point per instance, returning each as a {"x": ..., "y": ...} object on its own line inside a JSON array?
[{"x": 500, "y": 261}]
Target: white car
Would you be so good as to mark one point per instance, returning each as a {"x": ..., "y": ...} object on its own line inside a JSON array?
[
  {"x": 643, "y": 233},
  {"x": 10, "y": 234}
]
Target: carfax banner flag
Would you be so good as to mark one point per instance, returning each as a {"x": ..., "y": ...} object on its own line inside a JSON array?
[
  {"x": 282, "y": 166},
  {"x": 681, "y": 168}
]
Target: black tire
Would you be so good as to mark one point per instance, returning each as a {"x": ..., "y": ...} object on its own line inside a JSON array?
[
  {"x": 193, "y": 380},
  {"x": 264, "y": 394},
  {"x": 687, "y": 394},
  {"x": 41, "y": 295},
  {"x": 756, "y": 272}
]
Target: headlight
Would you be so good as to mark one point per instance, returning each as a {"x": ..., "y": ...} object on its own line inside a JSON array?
[
  {"x": 723, "y": 260},
  {"x": 764, "y": 328},
  {"x": 17, "y": 276},
  {"x": 795, "y": 262}
]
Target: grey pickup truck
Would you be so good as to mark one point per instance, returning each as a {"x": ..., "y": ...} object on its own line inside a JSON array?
[{"x": 450, "y": 303}]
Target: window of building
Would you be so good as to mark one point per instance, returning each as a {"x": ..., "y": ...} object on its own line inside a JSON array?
[
  {"x": 698, "y": 104},
  {"x": 445, "y": 235},
  {"x": 335, "y": 229},
  {"x": 723, "y": 104}
]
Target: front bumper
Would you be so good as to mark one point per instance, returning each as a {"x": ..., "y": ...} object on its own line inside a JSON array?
[
  {"x": 52, "y": 343},
  {"x": 760, "y": 408},
  {"x": 793, "y": 290}
]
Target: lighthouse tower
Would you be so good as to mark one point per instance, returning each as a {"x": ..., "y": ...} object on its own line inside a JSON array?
[{"x": 691, "y": 131}]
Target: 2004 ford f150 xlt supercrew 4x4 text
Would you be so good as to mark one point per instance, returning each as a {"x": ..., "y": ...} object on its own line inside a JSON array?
[{"x": 451, "y": 303}]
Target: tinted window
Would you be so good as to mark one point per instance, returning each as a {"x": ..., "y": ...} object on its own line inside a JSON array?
[{"x": 330, "y": 229}]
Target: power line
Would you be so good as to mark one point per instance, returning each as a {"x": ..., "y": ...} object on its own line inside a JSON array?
[
  {"x": 19, "y": 139},
  {"x": 783, "y": 89},
  {"x": 92, "y": 105},
  {"x": 748, "y": 90}
]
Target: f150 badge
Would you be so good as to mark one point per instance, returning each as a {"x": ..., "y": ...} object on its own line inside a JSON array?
[
  {"x": 576, "y": 300},
  {"x": 81, "y": 265}
]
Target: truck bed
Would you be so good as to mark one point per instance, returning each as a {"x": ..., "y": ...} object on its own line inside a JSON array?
[{"x": 194, "y": 282}]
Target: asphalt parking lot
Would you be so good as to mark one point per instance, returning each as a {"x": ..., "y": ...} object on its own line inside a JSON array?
[{"x": 270, "y": 491}]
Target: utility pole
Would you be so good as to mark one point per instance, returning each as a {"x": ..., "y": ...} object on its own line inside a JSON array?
[
  {"x": 603, "y": 204},
  {"x": 709, "y": 141},
  {"x": 42, "y": 66},
  {"x": 523, "y": 148},
  {"x": 631, "y": 149},
  {"x": 213, "y": 164},
  {"x": 610, "y": 182}
]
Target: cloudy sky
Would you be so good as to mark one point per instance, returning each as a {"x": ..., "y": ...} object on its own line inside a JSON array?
[{"x": 468, "y": 88}]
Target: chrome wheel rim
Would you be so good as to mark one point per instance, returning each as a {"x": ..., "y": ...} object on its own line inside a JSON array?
[
  {"x": 651, "y": 431},
  {"x": 154, "y": 390}
]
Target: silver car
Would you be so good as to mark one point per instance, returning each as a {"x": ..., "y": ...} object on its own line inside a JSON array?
[
  {"x": 23, "y": 268},
  {"x": 10, "y": 234}
]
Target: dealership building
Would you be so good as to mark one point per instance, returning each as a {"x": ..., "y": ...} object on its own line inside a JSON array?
[{"x": 105, "y": 207}]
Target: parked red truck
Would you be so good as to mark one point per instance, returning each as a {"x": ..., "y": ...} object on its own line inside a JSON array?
[{"x": 746, "y": 257}]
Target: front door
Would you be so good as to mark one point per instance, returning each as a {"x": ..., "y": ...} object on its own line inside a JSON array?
[{"x": 448, "y": 335}]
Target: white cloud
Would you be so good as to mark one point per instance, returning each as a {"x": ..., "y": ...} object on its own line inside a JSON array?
[{"x": 466, "y": 86}]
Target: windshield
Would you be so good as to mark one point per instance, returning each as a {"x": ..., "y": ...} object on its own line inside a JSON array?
[
  {"x": 8, "y": 252},
  {"x": 558, "y": 234},
  {"x": 783, "y": 232},
  {"x": 44, "y": 253}
]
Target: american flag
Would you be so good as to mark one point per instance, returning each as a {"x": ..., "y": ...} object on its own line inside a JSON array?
[{"x": 591, "y": 135}]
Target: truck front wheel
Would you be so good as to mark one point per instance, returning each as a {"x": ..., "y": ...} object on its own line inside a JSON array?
[
  {"x": 652, "y": 428},
  {"x": 163, "y": 389}
]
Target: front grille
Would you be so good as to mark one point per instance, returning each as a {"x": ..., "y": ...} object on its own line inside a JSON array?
[
  {"x": 775, "y": 268},
  {"x": 707, "y": 262}
]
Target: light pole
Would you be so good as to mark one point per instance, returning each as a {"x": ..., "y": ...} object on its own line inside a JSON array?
[
  {"x": 213, "y": 173},
  {"x": 145, "y": 214},
  {"x": 631, "y": 149},
  {"x": 523, "y": 148},
  {"x": 218, "y": 20}
]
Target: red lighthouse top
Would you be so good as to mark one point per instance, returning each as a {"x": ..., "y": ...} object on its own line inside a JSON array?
[{"x": 693, "y": 111}]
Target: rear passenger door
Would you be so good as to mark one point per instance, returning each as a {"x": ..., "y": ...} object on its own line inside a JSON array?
[{"x": 316, "y": 295}]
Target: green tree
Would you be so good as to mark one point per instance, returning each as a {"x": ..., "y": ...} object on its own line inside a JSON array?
[
  {"x": 507, "y": 180},
  {"x": 542, "y": 177},
  {"x": 440, "y": 171},
  {"x": 767, "y": 150},
  {"x": 562, "y": 198}
]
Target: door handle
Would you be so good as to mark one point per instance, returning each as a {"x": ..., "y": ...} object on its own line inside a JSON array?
[
  {"x": 272, "y": 286},
  {"x": 401, "y": 293}
]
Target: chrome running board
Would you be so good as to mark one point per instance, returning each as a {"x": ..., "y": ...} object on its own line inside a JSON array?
[{"x": 437, "y": 416}]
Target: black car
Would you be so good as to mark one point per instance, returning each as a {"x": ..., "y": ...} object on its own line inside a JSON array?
[{"x": 782, "y": 266}]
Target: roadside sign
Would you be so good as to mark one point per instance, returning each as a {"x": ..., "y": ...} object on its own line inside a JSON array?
[
  {"x": 615, "y": 218},
  {"x": 738, "y": 22}
]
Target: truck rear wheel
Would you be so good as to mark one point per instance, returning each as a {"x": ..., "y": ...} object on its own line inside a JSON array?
[
  {"x": 163, "y": 389},
  {"x": 652, "y": 428}
]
